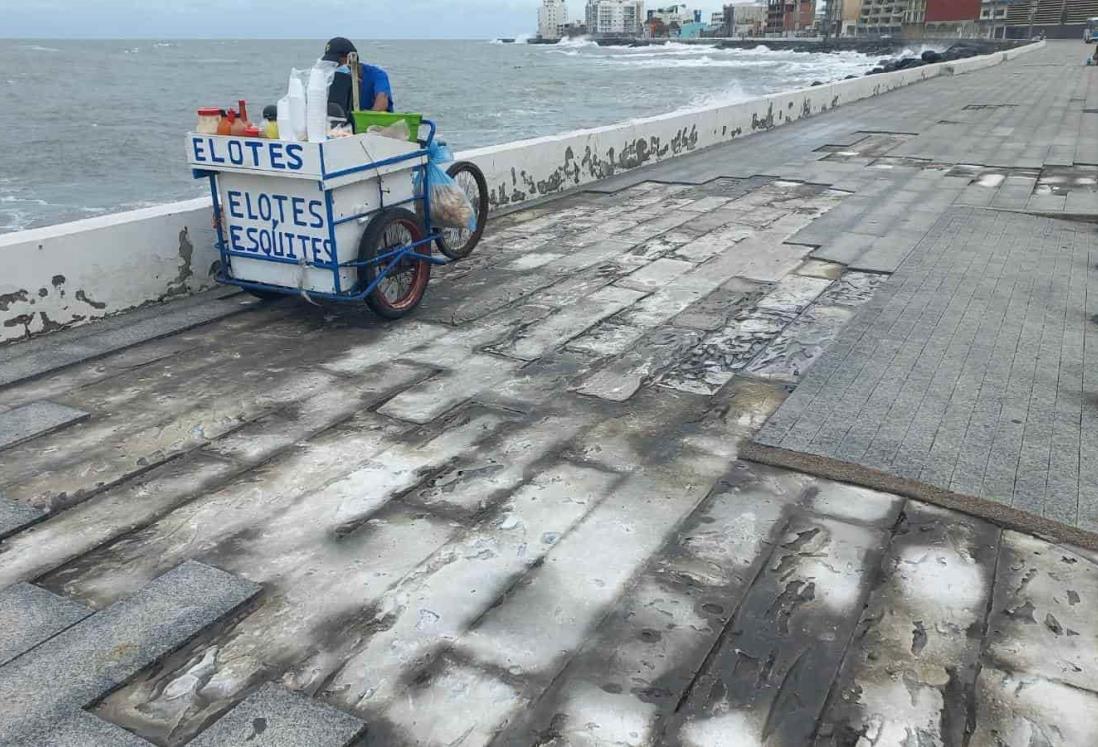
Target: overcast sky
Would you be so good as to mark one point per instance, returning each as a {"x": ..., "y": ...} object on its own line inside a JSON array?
[{"x": 302, "y": 19}]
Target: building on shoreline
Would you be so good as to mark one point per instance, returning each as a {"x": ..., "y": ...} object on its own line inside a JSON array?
[
  {"x": 1056, "y": 19},
  {"x": 615, "y": 17},
  {"x": 790, "y": 17},
  {"x": 744, "y": 19},
  {"x": 892, "y": 17},
  {"x": 960, "y": 18},
  {"x": 552, "y": 19}
]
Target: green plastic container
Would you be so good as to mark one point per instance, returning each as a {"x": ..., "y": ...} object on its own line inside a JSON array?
[{"x": 364, "y": 120}]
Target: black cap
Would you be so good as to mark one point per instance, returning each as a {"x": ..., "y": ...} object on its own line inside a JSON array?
[{"x": 338, "y": 48}]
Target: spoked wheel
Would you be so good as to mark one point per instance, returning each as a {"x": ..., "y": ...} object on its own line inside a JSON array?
[
  {"x": 402, "y": 288},
  {"x": 458, "y": 243}
]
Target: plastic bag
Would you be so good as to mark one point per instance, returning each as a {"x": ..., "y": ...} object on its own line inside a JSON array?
[
  {"x": 397, "y": 130},
  {"x": 316, "y": 100},
  {"x": 450, "y": 206}
]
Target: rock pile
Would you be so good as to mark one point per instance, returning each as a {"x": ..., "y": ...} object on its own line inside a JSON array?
[{"x": 958, "y": 51}]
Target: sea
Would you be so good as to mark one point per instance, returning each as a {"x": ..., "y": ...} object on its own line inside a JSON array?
[{"x": 95, "y": 127}]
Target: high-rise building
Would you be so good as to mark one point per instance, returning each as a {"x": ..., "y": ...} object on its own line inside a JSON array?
[
  {"x": 745, "y": 19},
  {"x": 1057, "y": 19},
  {"x": 952, "y": 17},
  {"x": 552, "y": 19},
  {"x": 790, "y": 16},
  {"x": 615, "y": 17},
  {"x": 840, "y": 17},
  {"x": 891, "y": 17}
]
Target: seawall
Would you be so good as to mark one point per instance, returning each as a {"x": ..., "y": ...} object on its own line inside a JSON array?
[{"x": 76, "y": 272}]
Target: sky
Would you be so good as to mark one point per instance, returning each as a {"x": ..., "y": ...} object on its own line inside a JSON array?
[{"x": 299, "y": 19}]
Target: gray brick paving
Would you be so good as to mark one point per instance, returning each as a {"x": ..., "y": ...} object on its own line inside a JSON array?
[
  {"x": 35, "y": 419},
  {"x": 953, "y": 373},
  {"x": 51, "y": 684},
  {"x": 15, "y": 515},
  {"x": 276, "y": 717},
  {"x": 30, "y": 615}
]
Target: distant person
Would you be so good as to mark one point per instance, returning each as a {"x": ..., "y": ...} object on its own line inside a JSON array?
[{"x": 375, "y": 93}]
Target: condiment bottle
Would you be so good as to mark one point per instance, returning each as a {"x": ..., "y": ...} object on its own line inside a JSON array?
[
  {"x": 244, "y": 113},
  {"x": 270, "y": 124},
  {"x": 237, "y": 124},
  {"x": 225, "y": 126},
  {"x": 209, "y": 119}
]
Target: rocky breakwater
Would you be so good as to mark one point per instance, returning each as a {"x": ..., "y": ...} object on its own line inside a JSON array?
[{"x": 958, "y": 51}]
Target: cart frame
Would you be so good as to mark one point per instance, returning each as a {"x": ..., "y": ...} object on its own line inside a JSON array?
[{"x": 388, "y": 260}]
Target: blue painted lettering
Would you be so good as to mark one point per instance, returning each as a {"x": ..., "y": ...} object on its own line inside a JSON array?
[
  {"x": 199, "y": 151},
  {"x": 298, "y": 204},
  {"x": 234, "y": 237},
  {"x": 254, "y": 146},
  {"x": 236, "y": 154},
  {"x": 213, "y": 151},
  {"x": 264, "y": 203},
  {"x": 276, "y": 156},
  {"x": 318, "y": 218},
  {"x": 293, "y": 153},
  {"x": 233, "y": 199},
  {"x": 281, "y": 200}
]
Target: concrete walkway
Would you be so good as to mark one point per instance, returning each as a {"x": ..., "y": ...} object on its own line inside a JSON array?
[{"x": 521, "y": 517}]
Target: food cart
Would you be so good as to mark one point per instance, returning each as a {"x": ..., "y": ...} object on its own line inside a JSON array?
[{"x": 347, "y": 219}]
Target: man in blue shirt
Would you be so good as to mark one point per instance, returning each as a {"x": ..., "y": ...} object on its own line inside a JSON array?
[{"x": 375, "y": 93}]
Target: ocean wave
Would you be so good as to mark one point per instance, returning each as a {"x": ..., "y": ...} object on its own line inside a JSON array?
[
  {"x": 701, "y": 62},
  {"x": 36, "y": 48},
  {"x": 576, "y": 42}
]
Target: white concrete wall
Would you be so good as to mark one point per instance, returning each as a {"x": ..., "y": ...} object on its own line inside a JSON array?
[{"x": 75, "y": 272}]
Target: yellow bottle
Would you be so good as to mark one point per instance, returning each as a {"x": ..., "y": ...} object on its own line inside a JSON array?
[{"x": 270, "y": 122}]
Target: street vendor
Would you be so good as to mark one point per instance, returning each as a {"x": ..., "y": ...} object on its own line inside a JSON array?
[{"x": 375, "y": 93}]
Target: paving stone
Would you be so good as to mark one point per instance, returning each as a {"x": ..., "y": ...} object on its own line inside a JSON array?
[
  {"x": 757, "y": 687},
  {"x": 30, "y": 615},
  {"x": 655, "y": 275},
  {"x": 66, "y": 673},
  {"x": 936, "y": 377},
  {"x": 70, "y": 347},
  {"x": 276, "y": 717},
  {"x": 912, "y": 666},
  {"x": 798, "y": 346},
  {"x": 1016, "y": 709},
  {"x": 541, "y": 337},
  {"x": 1041, "y": 620},
  {"x": 15, "y": 516},
  {"x": 35, "y": 419}
]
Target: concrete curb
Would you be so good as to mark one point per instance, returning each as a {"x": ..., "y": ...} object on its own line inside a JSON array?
[{"x": 855, "y": 474}]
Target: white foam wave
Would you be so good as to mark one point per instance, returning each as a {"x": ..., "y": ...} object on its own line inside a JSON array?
[
  {"x": 576, "y": 42},
  {"x": 37, "y": 48}
]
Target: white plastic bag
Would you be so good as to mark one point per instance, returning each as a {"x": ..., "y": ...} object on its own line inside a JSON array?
[
  {"x": 316, "y": 100},
  {"x": 397, "y": 130},
  {"x": 296, "y": 97}
]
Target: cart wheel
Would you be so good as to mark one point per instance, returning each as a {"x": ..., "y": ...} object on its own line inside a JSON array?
[
  {"x": 458, "y": 243},
  {"x": 402, "y": 289}
]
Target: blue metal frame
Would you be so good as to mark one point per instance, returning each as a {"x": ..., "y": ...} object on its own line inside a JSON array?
[{"x": 387, "y": 261}]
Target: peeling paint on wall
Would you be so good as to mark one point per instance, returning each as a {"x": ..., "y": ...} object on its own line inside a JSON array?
[{"x": 124, "y": 261}]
